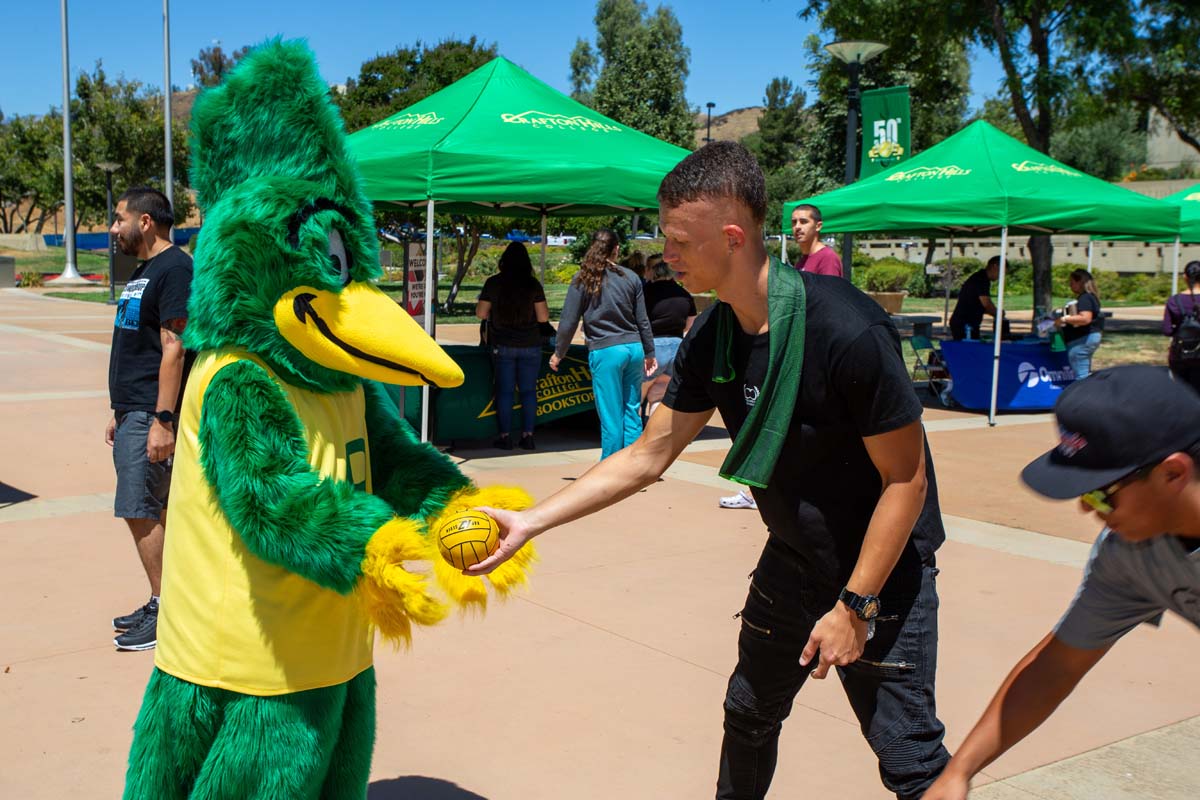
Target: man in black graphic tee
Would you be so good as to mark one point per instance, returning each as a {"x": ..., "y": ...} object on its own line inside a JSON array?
[{"x": 145, "y": 378}]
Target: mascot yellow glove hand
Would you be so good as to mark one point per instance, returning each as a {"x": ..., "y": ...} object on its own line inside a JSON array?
[
  {"x": 393, "y": 597},
  {"x": 469, "y": 590}
]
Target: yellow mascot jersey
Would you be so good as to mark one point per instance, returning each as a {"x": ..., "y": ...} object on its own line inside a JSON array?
[{"x": 229, "y": 619}]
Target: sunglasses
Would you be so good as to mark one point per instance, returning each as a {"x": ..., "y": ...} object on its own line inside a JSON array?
[{"x": 1098, "y": 499}]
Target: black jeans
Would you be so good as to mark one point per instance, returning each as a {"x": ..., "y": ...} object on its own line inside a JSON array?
[{"x": 890, "y": 688}]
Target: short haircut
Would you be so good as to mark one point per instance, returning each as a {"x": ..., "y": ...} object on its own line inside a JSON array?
[
  {"x": 993, "y": 260},
  {"x": 811, "y": 209},
  {"x": 147, "y": 200},
  {"x": 719, "y": 170}
]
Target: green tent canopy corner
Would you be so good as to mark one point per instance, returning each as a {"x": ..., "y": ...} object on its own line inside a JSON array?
[
  {"x": 1187, "y": 202},
  {"x": 500, "y": 141},
  {"x": 981, "y": 180}
]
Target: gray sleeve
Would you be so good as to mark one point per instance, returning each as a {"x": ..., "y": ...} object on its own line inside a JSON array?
[
  {"x": 643, "y": 320},
  {"x": 568, "y": 323},
  {"x": 1107, "y": 604}
]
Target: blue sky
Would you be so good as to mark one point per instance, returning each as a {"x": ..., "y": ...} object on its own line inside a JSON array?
[{"x": 737, "y": 45}]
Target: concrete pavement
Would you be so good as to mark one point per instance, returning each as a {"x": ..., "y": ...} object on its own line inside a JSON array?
[{"x": 605, "y": 679}]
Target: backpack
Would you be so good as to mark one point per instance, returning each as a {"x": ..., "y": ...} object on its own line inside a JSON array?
[{"x": 1185, "y": 342}]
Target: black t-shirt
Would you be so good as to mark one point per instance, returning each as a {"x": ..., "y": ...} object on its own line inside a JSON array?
[
  {"x": 1086, "y": 302},
  {"x": 854, "y": 384},
  {"x": 524, "y": 331},
  {"x": 157, "y": 292},
  {"x": 668, "y": 305},
  {"x": 968, "y": 310}
]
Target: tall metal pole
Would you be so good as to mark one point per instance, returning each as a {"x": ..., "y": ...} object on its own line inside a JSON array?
[
  {"x": 112, "y": 292},
  {"x": 430, "y": 289},
  {"x": 70, "y": 271},
  {"x": 851, "y": 158},
  {"x": 708, "y": 132},
  {"x": 169, "y": 180}
]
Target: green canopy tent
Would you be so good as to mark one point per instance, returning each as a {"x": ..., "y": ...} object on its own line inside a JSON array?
[
  {"x": 1188, "y": 203},
  {"x": 981, "y": 180},
  {"x": 500, "y": 141}
]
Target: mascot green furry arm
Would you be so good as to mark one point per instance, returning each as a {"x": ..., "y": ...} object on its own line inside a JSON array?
[{"x": 299, "y": 491}]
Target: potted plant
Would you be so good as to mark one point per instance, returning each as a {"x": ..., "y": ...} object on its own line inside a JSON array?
[{"x": 885, "y": 285}]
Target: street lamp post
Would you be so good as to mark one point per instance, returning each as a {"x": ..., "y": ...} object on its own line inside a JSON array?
[
  {"x": 708, "y": 134},
  {"x": 853, "y": 55},
  {"x": 109, "y": 168}
]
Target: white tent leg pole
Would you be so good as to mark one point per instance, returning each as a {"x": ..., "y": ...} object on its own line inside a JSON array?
[
  {"x": 1175, "y": 270},
  {"x": 946, "y": 282},
  {"x": 783, "y": 247},
  {"x": 543, "y": 247},
  {"x": 430, "y": 278},
  {"x": 999, "y": 327},
  {"x": 1090, "y": 245}
]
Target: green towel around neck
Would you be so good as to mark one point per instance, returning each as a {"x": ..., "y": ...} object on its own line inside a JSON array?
[{"x": 756, "y": 449}]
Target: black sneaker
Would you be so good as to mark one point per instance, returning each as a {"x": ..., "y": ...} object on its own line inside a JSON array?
[
  {"x": 122, "y": 624},
  {"x": 526, "y": 442},
  {"x": 503, "y": 443},
  {"x": 142, "y": 637}
]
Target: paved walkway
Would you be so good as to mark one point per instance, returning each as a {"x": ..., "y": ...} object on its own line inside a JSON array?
[{"x": 605, "y": 679}]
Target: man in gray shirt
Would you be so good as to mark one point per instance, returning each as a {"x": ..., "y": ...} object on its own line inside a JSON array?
[{"x": 1130, "y": 451}]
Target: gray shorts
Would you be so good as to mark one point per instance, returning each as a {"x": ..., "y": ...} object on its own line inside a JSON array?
[{"x": 142, "y": 487}]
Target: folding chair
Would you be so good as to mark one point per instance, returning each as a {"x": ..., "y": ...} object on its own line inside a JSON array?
[{"x": 929, "y": 363}]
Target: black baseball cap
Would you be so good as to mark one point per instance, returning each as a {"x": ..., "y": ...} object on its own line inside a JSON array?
[{"x": 1111, "y": 424}]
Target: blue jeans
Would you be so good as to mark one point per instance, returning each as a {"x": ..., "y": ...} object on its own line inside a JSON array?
[
  {"x": 1080, "y": 352},
  {"x": 617, "y": 373},
  {"x": 890, "y": 688},
  {"x": 517, "y": 366}
]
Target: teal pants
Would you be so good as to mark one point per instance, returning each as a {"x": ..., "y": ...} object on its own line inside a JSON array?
[
  {"x": 617, "y": 374},
  {"x": 201, "y": 743}
]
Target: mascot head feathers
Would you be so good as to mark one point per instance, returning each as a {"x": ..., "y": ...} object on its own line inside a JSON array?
[{"x": 287, "y": 254}]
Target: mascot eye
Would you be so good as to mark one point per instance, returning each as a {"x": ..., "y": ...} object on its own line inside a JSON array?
[{"x": 339, "y": 261}]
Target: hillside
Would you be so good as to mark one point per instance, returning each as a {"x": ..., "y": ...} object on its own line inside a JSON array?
[{"x": 731, "y": 126}]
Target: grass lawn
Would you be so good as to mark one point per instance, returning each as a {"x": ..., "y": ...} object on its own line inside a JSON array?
[
  {"x": 51, "y": 261},
  {"x": 87, "y": 296}
]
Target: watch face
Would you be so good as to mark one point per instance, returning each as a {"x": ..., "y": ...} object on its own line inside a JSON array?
[{"x": 871, "y": 609}]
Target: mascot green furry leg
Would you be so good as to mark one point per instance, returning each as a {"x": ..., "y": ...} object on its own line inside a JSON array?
[{"x": 299, "y": 494}]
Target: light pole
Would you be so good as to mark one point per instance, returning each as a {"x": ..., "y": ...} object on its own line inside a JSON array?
[
  {"x": 708, "y": 135},
  {"x": 853, "y": 55},
  {"x": 108, "y": 168}
]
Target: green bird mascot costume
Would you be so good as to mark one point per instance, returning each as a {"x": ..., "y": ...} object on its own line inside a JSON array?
[{"x": 298, "y": 492}]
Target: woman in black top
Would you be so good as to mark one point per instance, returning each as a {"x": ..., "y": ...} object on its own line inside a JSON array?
[
  {"x": 1081, "y": 324},
  {"x": 671, "y": 310},
  {"x": 514, "y": 304}
]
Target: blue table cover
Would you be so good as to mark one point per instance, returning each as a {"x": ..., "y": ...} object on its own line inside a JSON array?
[{"x": 1032, "y": 376}]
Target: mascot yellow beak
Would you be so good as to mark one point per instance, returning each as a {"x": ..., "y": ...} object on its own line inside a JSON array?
[{"x": 362, "y": 331}]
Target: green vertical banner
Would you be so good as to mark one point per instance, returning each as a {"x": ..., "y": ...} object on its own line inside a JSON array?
[{"x": 885, "y": 126}]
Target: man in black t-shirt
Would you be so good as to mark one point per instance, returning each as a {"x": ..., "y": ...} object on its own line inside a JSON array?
[
  {"x": 974, "y": 300},
  {"x": 846, "y": 579},
  {"x": 145, "y": 377}
]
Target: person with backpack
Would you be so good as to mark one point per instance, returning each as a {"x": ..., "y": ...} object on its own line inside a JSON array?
[{"x": 1181, "y": 321}]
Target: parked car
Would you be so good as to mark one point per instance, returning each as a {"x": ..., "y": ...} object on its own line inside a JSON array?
[
  {"x": 520, "y": 236},
  {"x": 560, "y": 241}
]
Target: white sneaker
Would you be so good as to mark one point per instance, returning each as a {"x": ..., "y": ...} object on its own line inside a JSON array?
[{"x": 739, "y": 500}]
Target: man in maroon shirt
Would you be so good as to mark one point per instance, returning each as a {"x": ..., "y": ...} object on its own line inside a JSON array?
[{"x": 814, "y": 256}]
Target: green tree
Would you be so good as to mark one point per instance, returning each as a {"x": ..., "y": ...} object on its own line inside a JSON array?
[
  {"x": 641, "y": 66},
  {"x": 1162, "y": 71},
  {"x": 31, "y": 173},
  {"x": 392, "y": 82},
  {"x": 115, "y": 121},
  {"x": 1046, "y": 47},
  {"x": 122, "y": 122},
  {"x": 1105, "y": 147},
  {"x": 780, "y": 126},
  {"x": 212, "y": 64}
]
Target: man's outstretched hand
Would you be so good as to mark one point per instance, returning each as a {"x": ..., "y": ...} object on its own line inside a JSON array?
[{"x": 514, "y": 533}]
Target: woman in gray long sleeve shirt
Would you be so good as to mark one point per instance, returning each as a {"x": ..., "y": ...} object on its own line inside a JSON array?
[{"x": 608, "y": 299}]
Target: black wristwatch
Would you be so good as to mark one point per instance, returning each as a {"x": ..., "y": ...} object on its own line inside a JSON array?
[
  {"x": 165, "y": 417},
  {"x": 866, "y": 606}
]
